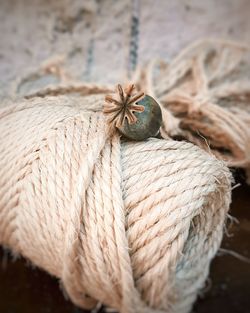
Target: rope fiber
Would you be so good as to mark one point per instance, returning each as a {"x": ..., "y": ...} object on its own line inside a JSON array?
[{"x": 133, "y": 225}]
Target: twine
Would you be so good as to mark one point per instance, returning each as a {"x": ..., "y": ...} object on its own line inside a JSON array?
[
  {"x": 204, "y": 94},
  {"x": 132, "y": 225}
]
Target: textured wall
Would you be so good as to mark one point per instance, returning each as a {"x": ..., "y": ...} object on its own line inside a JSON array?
[{"x": 94, "y": 36}]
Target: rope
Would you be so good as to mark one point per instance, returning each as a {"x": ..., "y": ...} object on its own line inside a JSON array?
[
  {"x": 204, "y": 94},
  {"x": 133, "y": 225}
]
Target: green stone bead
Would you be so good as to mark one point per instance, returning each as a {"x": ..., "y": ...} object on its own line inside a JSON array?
[{"x": 148, "y": 122}]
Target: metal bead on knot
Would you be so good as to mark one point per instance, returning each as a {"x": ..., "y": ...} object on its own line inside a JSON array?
[{"x": 135, "y": 115}]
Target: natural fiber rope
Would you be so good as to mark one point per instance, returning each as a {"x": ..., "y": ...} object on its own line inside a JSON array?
[
  {"x": 132, "y": 225},
  {"x": 204, "y": 94}
]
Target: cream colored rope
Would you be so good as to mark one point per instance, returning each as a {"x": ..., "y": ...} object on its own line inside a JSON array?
[
  {"x": 204, "y": 94},
  {"x": 132, "y": 225}
]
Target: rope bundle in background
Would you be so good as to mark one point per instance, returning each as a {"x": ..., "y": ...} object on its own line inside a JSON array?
[
  {"x": 205, "y": 95},
  {"x": 132, "y": 225}
]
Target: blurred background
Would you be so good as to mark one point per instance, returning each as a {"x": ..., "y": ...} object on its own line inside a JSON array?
[{"x": 99, "y": 39}]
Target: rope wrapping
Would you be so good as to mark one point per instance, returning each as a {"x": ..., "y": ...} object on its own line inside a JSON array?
[{"x": 133, "y": 225}]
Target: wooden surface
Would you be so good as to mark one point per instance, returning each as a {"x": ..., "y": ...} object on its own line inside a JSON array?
[{"x": 24, "y": 289}]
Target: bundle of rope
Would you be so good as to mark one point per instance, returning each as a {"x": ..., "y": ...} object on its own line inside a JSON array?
[
  {"x": 205, "y": 96},
  {"x": 132, "y": 225}
]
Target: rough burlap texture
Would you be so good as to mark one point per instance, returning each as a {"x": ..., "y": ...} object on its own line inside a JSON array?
[{"x": 133, "y": 225}]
